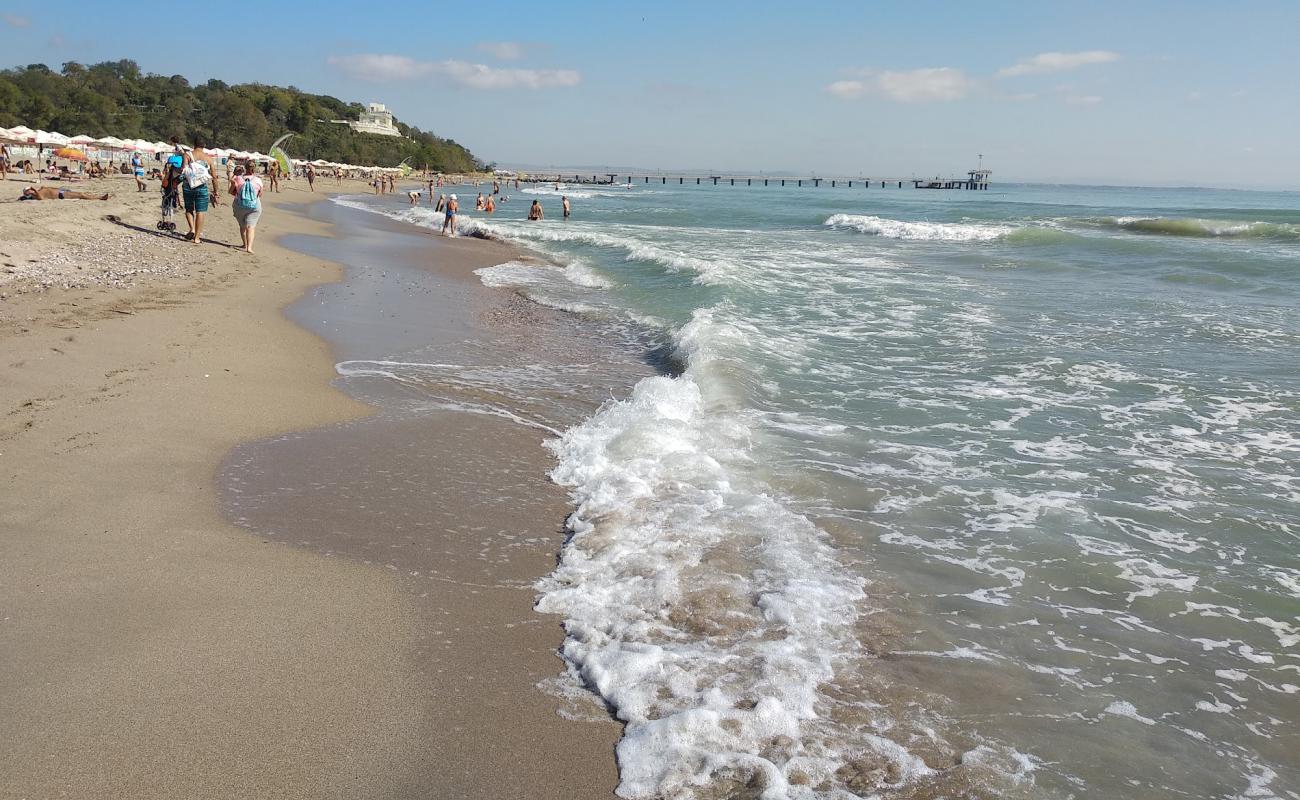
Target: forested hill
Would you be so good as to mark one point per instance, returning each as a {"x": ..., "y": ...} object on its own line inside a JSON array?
[{"x": 116, "y": 99}]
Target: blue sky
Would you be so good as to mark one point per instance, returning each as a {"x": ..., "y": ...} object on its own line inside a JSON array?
[{"x": 1103, "y": 92}]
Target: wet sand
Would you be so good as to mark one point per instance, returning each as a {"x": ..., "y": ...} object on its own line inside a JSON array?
[{"x": 151, "y": 648}]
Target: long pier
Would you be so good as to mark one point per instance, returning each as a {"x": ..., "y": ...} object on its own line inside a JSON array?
[{"x": 974, "y": 180}]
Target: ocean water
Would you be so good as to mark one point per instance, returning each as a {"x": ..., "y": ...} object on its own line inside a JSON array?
[{"x": 939, "y": 493}]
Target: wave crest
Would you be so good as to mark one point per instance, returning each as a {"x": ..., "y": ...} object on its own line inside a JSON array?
[
  {"x": 919, "y": 231},
  {"x": 1202, "y": 228}
]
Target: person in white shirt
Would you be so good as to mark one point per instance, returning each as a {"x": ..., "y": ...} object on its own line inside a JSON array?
[{"x": 195, "y": 177}]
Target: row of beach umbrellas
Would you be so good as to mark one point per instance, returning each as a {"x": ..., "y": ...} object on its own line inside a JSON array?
[{"x": 74, "y": 148}]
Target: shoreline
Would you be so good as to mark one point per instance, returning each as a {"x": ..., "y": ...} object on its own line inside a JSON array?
[{"x": 151, "y": 647}]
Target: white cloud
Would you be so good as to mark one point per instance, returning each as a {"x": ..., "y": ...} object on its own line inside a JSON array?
[
  {"x": 932, "y": 84},
  {"x": 481, "y": 76},
  {"x": 926, "y": 85},
  {"x": 16, "y": 20},
  {"x": 1083, "y": 99},
  {"x": 1057, "y": 62},
  {"x": 506, "y": 51},
  {"x": 847, "y": 89},
  {"x": 382, "y": 67}
]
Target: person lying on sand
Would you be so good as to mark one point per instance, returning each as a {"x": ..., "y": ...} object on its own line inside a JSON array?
[{"x": 48, "y": 193}]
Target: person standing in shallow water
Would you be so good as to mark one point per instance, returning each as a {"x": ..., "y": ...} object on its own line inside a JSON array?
[
  {"x": 564, "y": 202},
  {"x": 449, "y": 223},
  {"x": 535, "y": 211}
]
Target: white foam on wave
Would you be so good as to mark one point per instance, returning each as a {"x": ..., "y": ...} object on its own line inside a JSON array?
[
  {"x": 707, "y": 270},
  {"x": 703, "y": 610},
  {"x": 918, "y": 231}
]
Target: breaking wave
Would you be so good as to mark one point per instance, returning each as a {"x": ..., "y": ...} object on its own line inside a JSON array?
[
  {"x": 919, "y": 231},
  {"x": 1201, "y": 228}
]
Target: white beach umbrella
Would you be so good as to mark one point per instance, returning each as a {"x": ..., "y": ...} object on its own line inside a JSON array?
[
  {"x": 109, "y": 143},
  {"x": 82, "y": 139},
  {"x": 56, "y": 138},
  {"x": 23, "y": 131}
]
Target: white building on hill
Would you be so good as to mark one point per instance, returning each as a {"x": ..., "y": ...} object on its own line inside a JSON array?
[{"x": 375, "y": 119}]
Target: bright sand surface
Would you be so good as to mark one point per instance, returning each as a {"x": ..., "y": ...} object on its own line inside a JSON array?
[{"x": 150, "y": 648}]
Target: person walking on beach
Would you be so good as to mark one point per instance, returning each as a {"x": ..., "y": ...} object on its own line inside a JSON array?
[
  {"x": 137, "y": 169},
  {"x": 195, "y": 178},
  {"x": 213, "y": 187},
  {"x": 246, "y": 188},
  {"x": 449, "y": 222},
  {"x": 273, "y": 172},
  {"x": 535, "y": 212},
  {"x": 311, "y": 177},
  {"x": 564, "y": 201}
]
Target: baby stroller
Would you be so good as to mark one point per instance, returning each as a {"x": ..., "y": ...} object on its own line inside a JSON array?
[{"x": 171, "y": 196}]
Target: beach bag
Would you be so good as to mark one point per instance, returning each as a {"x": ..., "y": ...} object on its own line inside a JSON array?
[
  {"x": 247, "y": 194},
  {"x": 196, "y": 175}
]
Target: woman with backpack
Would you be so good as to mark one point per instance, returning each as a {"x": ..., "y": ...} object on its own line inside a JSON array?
[{"x": 246, "y": 188}]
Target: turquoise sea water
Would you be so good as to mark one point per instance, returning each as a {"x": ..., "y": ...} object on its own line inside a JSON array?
[{"x": 946, "y": 493}]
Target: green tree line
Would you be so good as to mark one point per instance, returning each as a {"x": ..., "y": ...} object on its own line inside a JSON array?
[{"x": 115, "y": 98}]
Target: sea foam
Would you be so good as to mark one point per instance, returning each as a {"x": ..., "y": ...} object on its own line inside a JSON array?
[{"x": 920, "y": 231}]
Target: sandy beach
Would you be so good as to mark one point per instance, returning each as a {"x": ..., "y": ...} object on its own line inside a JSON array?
[{"x": 149, "y": 647}]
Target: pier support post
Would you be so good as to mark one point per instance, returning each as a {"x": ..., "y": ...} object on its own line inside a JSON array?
[
  {"x": 801, "y": 181},
  {"x": 817, "y": 183},
  {"x": 665, "y": 183},
  {"x": 681, "y": 181},
  {"x": 783, "y": 181},
  {"x": 697, "y": 181},
  {"x": 900, "y": 184},
  {"x": 749, "y": 181}
]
